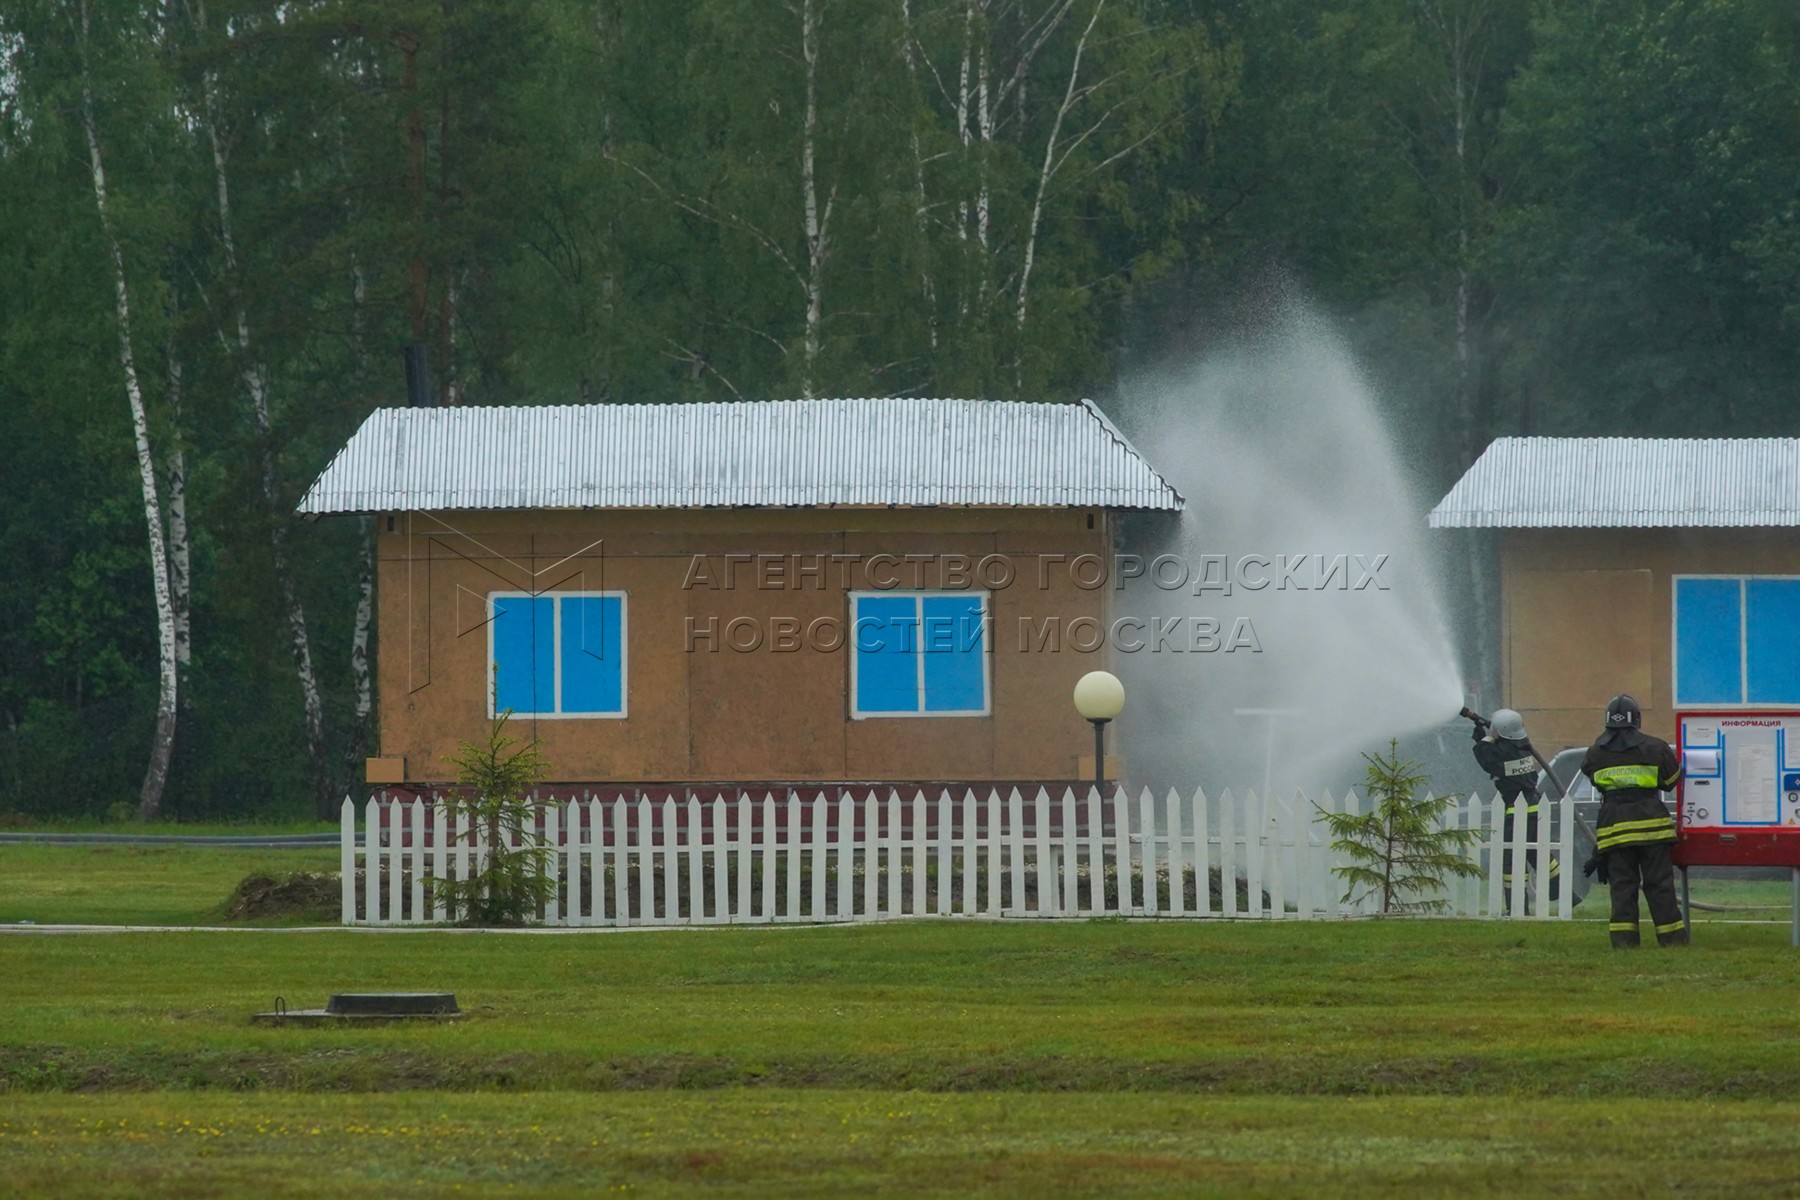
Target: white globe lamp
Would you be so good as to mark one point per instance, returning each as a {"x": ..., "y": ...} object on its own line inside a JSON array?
[{"x": 1099, "y": 697}]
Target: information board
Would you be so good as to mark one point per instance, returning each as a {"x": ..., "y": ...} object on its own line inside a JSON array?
[{"x": 1738, "y": 803}]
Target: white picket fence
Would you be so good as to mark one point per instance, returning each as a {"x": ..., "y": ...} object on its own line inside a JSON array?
[{"x": 868, "y": 856}]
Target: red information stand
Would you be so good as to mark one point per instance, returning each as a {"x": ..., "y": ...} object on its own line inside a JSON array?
[{"x": 1738, "y": 802}]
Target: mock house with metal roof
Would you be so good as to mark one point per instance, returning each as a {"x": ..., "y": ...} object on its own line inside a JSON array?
[
  {"x": 1664, "y": 567},
  {"x": 858, "y": 590}
]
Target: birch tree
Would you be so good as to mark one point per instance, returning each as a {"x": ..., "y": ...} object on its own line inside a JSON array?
[
  {"x": 162, "y": 748},
  {"x": 256, "y": 389},
  {"x": 798, "y": 140},
  {"x": 1049, "y": 100}
]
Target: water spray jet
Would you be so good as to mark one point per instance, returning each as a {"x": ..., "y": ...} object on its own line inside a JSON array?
[{"x": 1277, "y": 443}]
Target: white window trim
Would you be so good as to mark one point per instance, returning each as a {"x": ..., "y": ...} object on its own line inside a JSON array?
[
  {"x": 1743, "y": 701},
  {"x": 556, "y": 654},
  {"x": 987, "y": 654}
]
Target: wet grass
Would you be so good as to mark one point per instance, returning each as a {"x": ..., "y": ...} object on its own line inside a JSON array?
[
  {"x": 1407, "y": 1058},
  {"x": 832, "y": 1143},
  {"x": 1345, "y": 1008},
  {"x": 134, "y": 885}
]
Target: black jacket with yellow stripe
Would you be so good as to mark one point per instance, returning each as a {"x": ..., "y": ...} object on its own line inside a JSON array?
[{"x": 1630, "y": 769}]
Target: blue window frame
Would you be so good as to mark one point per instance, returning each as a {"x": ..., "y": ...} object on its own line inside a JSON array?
[
  {"x": 1737, "y": 639},
  {"x": 918, "y": 654},
  {"x": 557, "y": 654}
]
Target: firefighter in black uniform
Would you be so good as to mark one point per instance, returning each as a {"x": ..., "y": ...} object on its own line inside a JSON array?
[
  {"x": 1505, "y": 753},
  {"x": 1630, "y": 769}
]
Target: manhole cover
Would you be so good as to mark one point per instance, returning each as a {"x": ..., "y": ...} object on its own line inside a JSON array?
[{"x": 367, "y": 1006}]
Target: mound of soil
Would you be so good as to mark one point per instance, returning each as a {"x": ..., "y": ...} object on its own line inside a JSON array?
[{"x": 313, "y": 895}]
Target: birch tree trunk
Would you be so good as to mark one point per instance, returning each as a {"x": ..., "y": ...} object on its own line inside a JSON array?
[
  {"x": 927, "y": 288},
  {"x": 256, "y": 385},
  {"x": 162, "y": 748},
  {"x": 1045, "y": 173},
  {"x": 818, "y": 224},
  {"x": 359, "y": 646},
  {"x": 180, "y": 568},
  {"x": 360, "y": 677}
]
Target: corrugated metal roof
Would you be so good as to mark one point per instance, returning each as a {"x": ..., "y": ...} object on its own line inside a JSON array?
[
  {"x": 1548, "y": 482},
  {"x": 787, "y": 453}
]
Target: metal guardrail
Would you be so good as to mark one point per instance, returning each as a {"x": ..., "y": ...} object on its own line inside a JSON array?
[{"x": 278, "y": 841}]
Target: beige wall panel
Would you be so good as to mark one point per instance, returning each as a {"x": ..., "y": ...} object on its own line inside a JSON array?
[
  {"x": 1579, "y": 637},
  {"x": 762, "y": 713},
  {"x": 1039, "y": 734},
  {"x": 919, "y": 748}
]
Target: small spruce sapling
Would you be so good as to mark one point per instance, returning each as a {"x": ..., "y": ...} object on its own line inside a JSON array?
[
  {"x": 510, "y": 881},
  {"x": 1399, "y": 852}
]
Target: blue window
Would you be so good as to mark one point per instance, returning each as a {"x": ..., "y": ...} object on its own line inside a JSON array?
[
  {"x": 1737, "y": 640},
  {"x": 558, "y": 654},
  {"x": 918, "y": 654}
]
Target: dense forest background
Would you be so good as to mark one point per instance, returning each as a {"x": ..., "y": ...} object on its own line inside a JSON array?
[{"x": 220, "y": 222}]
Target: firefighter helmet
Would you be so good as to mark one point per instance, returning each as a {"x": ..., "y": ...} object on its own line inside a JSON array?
[
  {"x": 1508, "y": 724},
  {"x": 1623, "y": 713}
]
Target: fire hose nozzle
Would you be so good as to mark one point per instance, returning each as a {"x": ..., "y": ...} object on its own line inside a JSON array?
[{"x": 1469, "y": 714}]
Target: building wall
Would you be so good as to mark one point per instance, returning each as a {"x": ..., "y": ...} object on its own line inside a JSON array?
[
  {"x": 699, "y": 710},
  {"x": 1588, "y": 613}
]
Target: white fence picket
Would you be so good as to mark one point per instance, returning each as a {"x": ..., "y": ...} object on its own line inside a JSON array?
[
  {"x": 1543, "y": 851},
  {"x": 621, "y": 865},
  {"x": 396, "y": 861},
  {"x": 372, "y": 862},
  {"x": 549, "y": 839},
  {"x": 1096, "y": 853},
  {"x": 768, "y": 856},
  {"x": 1147, "y": 849},
  {"x": 945, "y": 862},
  {"x": 994, "y": 855},
  {"x": 644, "y": 840},
  {"x": 1565, "y": 812},
  {"x": 915, "y": 853},
  {"x": 1177, "y": 855},
  {"x": 1255, "y": 829},
  {"x": 1015, "y": 852},
  {"x": 968, "y": 856},
  {"x": 1228, "y": 824},
  {"x": 743, "y": 844},
  {"x": 347, "y": 861},
  {"x": 692, "y": 850},
  {"x": 792, "y": 833},
  {"x": 1122, "y": 847},
  {"x": 818, "y": 858},
  {"x": 1202, "y": 858},
  {"x": 1067, "y": 850},
  {"x": 846, "y": 858},
  {"x": 890, "y": 848}
]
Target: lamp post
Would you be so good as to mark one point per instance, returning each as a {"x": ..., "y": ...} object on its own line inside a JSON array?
[{"x": 1099, "y": 697}]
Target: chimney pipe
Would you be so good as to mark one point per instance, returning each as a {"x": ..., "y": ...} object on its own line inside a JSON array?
[{"x": 418, "y": 377}]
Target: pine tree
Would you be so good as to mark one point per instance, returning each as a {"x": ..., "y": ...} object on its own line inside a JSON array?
[
  {"x": 510, "y": 881},
  {"x": 1399, "y": 851}
]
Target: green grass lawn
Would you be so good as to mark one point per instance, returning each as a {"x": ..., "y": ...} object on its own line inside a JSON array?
[
  {"x": 931, "y": 1058},
  {"x": 829, "y": 1143},
  {"x": 134, "y": 885}
]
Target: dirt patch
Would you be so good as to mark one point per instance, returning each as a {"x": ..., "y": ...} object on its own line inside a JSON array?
[
  {"x": 353, "y": 1067},
  {"x": 312, "y": 895}
]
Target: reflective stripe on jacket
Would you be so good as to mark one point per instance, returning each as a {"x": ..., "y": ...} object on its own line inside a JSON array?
[{"x": 1630, "y": 772}]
